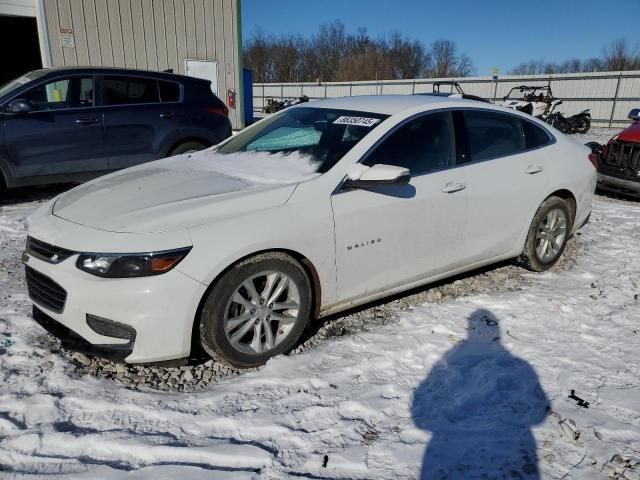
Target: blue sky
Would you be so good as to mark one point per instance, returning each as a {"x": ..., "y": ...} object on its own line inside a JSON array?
[{"x": 494, "y": 33}]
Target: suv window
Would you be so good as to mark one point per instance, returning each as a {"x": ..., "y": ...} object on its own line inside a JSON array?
[
  {"x": 62, "y": 93},
  {"x": 493, "y": 134},
  {"x": 169, "y": 91},
  {"x": 129, "y": 90},
  {"x": 422, "y": 145},
  {"x": 534, "y": 136}
]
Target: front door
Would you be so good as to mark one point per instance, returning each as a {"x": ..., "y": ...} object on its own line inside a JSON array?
[
  {"x": 62, "y": 134},
  {"x": 393, "y": 235}
]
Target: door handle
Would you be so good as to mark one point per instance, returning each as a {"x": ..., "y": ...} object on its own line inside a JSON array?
[
  {"x": 167, "y": 115},
  {"x": 452, "y": 187},
  {"x": 87, "y": 120},
  {"x": 533, "y": 169}
]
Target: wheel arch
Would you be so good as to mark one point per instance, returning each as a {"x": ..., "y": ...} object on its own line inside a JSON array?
[
  {"x": 6, "y": 175},
  {"x": 570, "y": 198},
  {"x": 307, "y": 265}
]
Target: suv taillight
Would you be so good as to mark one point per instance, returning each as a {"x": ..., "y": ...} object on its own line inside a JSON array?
[
  {"x": 594, "y": 159},
  {"x": 222, "y": 111}
]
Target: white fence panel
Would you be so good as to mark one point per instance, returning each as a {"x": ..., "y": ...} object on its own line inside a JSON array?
[{"x": 609, "y": 95}]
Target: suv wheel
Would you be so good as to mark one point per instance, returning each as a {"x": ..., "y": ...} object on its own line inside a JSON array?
[
  {"x": 257, "y": 310},
  {"x": 548, "y": 235}
]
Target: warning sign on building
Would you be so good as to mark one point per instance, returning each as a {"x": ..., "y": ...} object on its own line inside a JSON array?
[{"x": 66, "y": 37}]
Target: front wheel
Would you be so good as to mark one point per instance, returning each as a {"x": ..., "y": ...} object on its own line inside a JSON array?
[
  {"x": 547, "y": 236},
  {"x": 256, "y": 310}
]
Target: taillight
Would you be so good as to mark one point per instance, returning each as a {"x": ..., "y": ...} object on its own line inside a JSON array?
[
  {"x": 594, "y": 159},
  {"x": 221, "y": 111}
]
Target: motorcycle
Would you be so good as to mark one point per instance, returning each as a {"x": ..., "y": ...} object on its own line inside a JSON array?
[
  {"x": 578, "y": 123},
  {"x": 274, "y": 106}
]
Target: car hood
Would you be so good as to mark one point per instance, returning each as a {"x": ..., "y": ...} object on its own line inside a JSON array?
[
  {"x": 177, "y": 193},
  {"x": 631, "y": 134}
]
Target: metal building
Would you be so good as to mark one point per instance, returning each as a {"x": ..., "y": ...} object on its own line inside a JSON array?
[{"x": 195, "y": 37}]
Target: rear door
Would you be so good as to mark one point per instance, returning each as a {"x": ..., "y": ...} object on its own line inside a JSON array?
[
  {"x": 139, "y": 126},
  {"x": 507, "y": 177},
  {"x": 62, "y": 134}
]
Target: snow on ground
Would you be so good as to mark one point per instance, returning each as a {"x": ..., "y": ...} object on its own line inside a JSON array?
[
  {"x": 597, "y": 134},
  {"x": 476, "y": 386}
]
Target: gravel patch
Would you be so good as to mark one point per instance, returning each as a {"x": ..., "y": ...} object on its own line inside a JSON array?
[{"x": 499, "y": 278}]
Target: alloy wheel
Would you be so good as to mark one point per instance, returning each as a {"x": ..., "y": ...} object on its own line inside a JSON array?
[
  {"x": 262, "y": 312},
  {"x": 550, "y": 235}
]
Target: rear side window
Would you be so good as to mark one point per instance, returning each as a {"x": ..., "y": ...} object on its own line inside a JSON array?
[
  {"x": 422, "y": 145},
  {"x": 129, "y": 90},
  {"x": 534, "y": 136},
  {"x": 493, "y": 134},
  {"x": 169, "y": 91}
]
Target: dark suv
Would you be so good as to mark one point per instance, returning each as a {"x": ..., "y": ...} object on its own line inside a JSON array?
[{"x": 73, "y": 124}]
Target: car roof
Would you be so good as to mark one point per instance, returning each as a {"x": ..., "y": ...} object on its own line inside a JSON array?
[
  {"x": 390, "y": 104},
  {"x": 117, "y": 71}
]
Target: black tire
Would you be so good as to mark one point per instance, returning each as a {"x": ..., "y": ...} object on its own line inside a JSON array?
[
  {"x": 584, "y": 126},
  {"x": 530, "y": 257},
  {"x": 213, "y": 337},
  {"x": 187, "y": 147}
]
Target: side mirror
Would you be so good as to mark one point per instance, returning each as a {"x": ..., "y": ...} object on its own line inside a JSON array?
[
  {"x": 19, "y": 105},
  {"x": 361, "y": 176},
  {"x": 634, "y": 115}
]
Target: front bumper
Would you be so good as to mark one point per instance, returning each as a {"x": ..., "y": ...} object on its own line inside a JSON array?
[
  {"x": 72, "y": 341},
  {"x": 618, "y": 185},
  {"x": 159, "y": 310}
]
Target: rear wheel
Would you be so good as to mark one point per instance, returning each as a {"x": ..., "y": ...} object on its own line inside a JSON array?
[
  {"x": 548, "y": 235},
  {"x": 256, "y": 310},
  {"x": 583, "y": 126},
  {"x": 187, "y": 147}
]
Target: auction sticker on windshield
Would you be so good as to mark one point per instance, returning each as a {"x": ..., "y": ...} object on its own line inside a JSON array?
[{"x": 359, "y": 121}]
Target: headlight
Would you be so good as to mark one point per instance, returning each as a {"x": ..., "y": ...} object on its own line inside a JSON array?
[{"x": 122, "y": 265}]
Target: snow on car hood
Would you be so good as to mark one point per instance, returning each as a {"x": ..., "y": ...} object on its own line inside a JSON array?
[{"x": 185, "y": 191}]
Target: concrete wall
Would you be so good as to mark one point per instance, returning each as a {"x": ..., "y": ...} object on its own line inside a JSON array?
[
  {"x": 609, "y": 95},
  {"x": 150, "y": 35}
]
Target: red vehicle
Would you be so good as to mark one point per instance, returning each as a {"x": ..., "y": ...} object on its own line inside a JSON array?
[{"x": 619, "y": 160}]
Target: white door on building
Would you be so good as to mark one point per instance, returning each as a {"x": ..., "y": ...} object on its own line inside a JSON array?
[{"x": 203, "y": 69}]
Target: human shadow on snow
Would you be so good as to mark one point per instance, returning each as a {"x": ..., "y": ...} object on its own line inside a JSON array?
[{"x": 480, "y": 402}]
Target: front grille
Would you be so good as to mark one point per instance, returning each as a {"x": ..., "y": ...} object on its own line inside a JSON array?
[
  {"x": 44, "y": 291},
  {"x": 624, "y": 158},
  {"x": 47, "y": 252}
]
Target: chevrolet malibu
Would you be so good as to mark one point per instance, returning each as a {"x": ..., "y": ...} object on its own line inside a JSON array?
[{"x": 309, "y": 212}]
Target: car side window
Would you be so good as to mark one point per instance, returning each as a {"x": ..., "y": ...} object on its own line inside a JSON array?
[
  {"x": 129, "y": 90},
  {"x": 493, "y": 134},
  {"x": 534, "y": 136},
  {"x": 169, "y": 91},
  {"x": 422, "y": 145},
  {"x": 59, "y": 94}
]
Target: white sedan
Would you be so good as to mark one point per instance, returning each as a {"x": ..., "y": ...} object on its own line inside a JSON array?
[{"x": 311, "y": 211}]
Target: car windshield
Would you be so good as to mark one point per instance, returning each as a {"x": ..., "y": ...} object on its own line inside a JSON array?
[
  {"x": 320, "y": 135},
  {"x": 16, "y": 83}
]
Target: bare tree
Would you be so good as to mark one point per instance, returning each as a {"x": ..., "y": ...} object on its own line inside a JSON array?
[
  {"x": 620, "y": 56},
  {"x": 333, "y": 54},
  {"x": 443, "y": 61}
]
